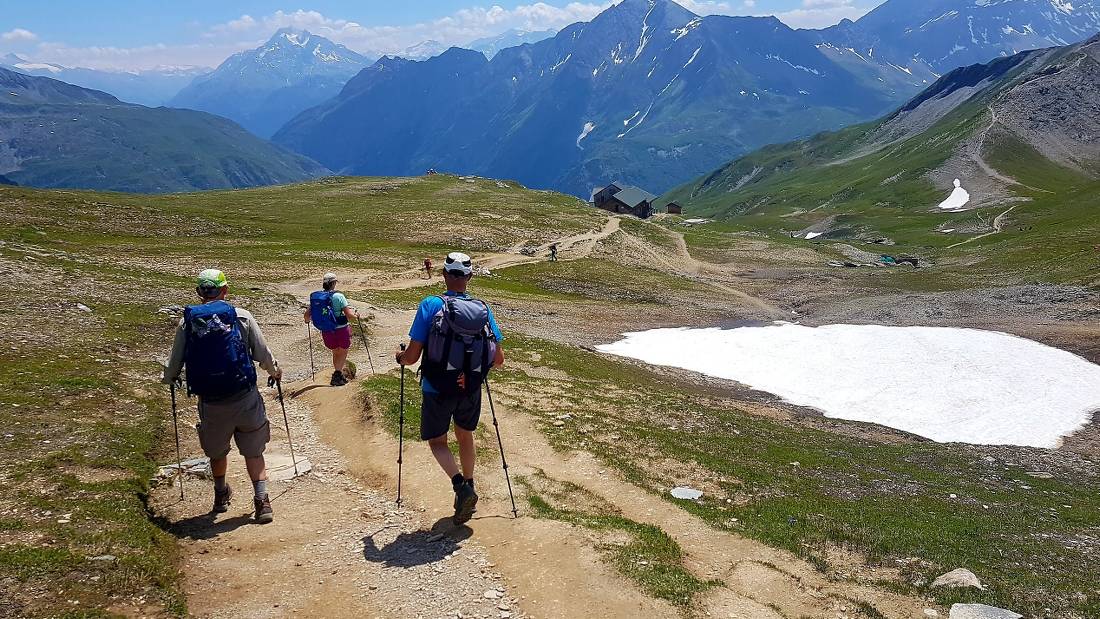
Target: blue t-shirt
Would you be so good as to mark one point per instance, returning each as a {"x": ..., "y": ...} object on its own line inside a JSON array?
[{"x": 422, "y": 326}]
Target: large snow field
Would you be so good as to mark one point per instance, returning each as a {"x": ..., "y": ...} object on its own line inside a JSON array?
[{"x": 946, "y": 384}]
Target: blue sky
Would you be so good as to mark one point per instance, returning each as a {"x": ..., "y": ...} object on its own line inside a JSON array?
[{"x": 132, "y": 34}]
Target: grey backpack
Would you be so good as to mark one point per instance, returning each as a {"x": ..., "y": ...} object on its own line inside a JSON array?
[{"x": 460, "y": 342}]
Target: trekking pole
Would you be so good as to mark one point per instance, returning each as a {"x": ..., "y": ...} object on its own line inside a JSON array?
[
  {"x": 401, "y": 431},
  {"x": 271, "y": 382},
  {"x": 176, "y": 425},
  {"x": 363, "y": 335},
  {"x": 312, "y": 370},
  {"x": 503, "y": 460}
]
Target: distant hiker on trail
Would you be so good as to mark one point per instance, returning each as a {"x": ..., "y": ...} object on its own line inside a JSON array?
[
  {"x": 554, "y": 252},
  {"x": 218, "y": 344},
  {"x": 428, "y": 267},
  {"x": 460, "y": 340},
  {"x": 329, "y": 311}
]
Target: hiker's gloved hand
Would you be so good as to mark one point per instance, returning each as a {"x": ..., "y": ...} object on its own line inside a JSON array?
[{"x": 277, "y": 376}]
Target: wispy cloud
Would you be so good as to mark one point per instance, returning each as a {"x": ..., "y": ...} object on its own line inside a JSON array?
[
  {"x": 812, "y": 13},
  {"x": 456, "y": 29},
  {"x": 821, "y": 13},
  {"x": 217, "y": 42},
  {"x": 19, "y": 35}
]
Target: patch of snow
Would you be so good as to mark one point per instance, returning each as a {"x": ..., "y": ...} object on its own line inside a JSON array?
[
  {"x": 588, "y": 127},
  {"x": 561, "y": 62},
  {"x": 629, "y": 120},
  {"x": 946, "y": 384},
  {"x": 791, "y": 64},
  {"x": 688, "y": 27},
  {"x": 693, "y": 57},
  {"x": 323, "y": 57},
  {"x": 689, "y": 494},
  {"x": 34, "y": 66},
  {"x": 1063, "y": 6},
  {"x": 696, "y": 220},
  {"x": 616, "y": 54},
  {"x": 812, "y": 235},
  {"x": 900, "y": 68},
  {"x": 294, "y": 39},
  {"x": 856, "y": 53},
  {"x": 947, "y": 15},
  {"x": 646, "y": 35},
  {"x": 959, "y": 197}
]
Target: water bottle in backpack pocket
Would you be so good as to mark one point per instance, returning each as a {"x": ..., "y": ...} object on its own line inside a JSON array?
[
  {"x": 216, "y": 357},
  {"x": 460, "y": 342}
]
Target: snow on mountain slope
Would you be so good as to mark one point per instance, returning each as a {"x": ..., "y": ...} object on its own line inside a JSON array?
[{"x": 264, "y": 87}]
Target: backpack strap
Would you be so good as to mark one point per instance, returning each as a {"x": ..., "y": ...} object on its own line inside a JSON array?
[{"x": 448, "y": 312}]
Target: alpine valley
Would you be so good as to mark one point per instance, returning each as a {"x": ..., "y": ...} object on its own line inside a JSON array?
[{"x": 54, "y": 134}]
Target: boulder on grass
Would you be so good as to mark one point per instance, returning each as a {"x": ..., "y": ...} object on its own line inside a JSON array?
[
  {"x": 958, "y": 578},
  {"x": 981, "y": 611}
]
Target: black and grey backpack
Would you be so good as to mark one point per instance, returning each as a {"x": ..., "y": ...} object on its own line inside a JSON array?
[{"x": 460, "y": 342}]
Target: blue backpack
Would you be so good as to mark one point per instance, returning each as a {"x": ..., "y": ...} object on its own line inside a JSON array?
[
  {"x": 322, "y": 313},
  {"x": 460, "y": 341},
  {"x": 216, "y": 356}
]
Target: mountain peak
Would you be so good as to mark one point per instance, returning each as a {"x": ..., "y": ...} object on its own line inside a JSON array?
[
  {"x": 646, "y": 14},
  {"x": 12, "y": 59},
  {"x": 293, "y": 36}
]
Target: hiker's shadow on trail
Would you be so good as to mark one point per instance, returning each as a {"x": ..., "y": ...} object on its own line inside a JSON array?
[
  {"x": 418, "y": 547},
  {"x": 205, "y": 526}
]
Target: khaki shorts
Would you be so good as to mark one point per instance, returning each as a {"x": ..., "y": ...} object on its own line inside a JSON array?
[{"x": 241, "y": 417}]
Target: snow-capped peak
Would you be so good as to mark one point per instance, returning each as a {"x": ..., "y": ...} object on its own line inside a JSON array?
[{"x": 297, "y": 39}]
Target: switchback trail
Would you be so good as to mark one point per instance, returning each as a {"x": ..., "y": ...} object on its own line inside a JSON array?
[{"x": 572, "y": 247}]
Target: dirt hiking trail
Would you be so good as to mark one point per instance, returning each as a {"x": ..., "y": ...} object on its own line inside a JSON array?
[
  {"x": 569, "y": 248},
  {"x": 340, "y": 547}
]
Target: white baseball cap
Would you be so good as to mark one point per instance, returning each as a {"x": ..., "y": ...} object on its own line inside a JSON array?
[
  {"x": 328, "y": 278},
  {"x": 458, "y": 263}
]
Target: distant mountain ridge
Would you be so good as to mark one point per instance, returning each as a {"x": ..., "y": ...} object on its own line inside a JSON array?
[
  {"x": 646, "y": 92},
  {"x": 263, "y": 88},
  {"x": 54, "y": 134},
  {"x": 491, "y": 46},
  {"x": 150, "y": 87},
  {"x": 907, "y": 44}
]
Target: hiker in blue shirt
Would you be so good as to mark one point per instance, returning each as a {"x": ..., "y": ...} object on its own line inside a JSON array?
[{"x": 461, "y": 340}]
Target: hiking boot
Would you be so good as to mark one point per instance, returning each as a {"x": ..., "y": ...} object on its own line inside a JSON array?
[
  {"x": 264, "y": 513},
  {"x": 338, "y": 379},
  {"x": 222, "y": 499},
  {"x": 465, "y": 503}
]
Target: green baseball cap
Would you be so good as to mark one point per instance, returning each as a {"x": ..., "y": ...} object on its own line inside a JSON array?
[{"x": 212, "y": 278}]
